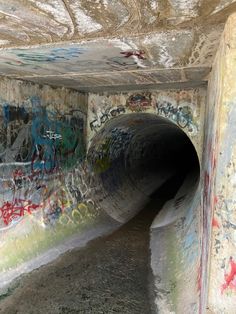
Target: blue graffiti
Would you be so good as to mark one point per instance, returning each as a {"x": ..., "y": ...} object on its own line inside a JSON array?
[
  {"x": 35, "y": 101},
  {"x": 46, "y": 137},
  {"x": 6, "y": 113},
  {"x": 53, "y": 55},
  {"x": 57, "y": 141}
]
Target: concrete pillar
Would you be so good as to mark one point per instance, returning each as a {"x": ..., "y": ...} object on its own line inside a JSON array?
[{"x": 218, "y": 289}]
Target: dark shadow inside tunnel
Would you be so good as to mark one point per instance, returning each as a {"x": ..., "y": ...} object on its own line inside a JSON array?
[{"x": 137, "y": 157}]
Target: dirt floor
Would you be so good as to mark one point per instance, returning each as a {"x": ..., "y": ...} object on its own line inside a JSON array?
[{"x": 109, "y": 275}]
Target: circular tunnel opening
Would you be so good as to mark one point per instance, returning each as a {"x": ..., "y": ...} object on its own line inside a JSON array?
[{"x": 137, "y": 157}]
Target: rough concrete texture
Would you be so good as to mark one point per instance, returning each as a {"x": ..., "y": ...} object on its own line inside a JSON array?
[
  {"x": 219, "y": 259},
  {"x": 175, "y": 250},
  {"x": 85, "y": 44},
  {"x": 49, "y": 192},
  {"x": 110, "y": 275},
  {"x": 20, "y": 93},
  {"x": 185, "y": 108},
  {"x": 131, "y": 155},
  {"x": 40, "y": 125}
]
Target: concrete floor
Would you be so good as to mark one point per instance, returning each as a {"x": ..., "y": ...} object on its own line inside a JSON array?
[{"x": 109, "y": 275}]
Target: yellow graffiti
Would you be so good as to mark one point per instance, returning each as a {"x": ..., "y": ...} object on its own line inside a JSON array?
[
  {"x": 65, "y": 219},
  {"x": 77, "y": 216},
  {"x": 101, "y": 165}
]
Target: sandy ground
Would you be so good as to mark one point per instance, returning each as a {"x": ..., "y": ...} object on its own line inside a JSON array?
[{"x": 109, "y": 275}]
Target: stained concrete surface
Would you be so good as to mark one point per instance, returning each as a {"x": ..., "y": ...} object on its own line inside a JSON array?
[
  {"x": 110, "y": 275},
  {"x": 117, "y": 43}
]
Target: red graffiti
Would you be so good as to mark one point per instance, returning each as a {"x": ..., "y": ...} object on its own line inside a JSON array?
[
  {"x": 136, "y": 53},
  {"x": 18, "y": 173},
  {"x": 230, "y": 279},
  {"x": 215, "y": 223},
  {"x": 10, "y": 211}
]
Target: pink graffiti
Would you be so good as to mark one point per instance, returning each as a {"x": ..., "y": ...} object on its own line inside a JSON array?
[
  {"x": 11, "y": 211},
  {"x": 215, "y": 223},
  {"x": 136, "y": 53},
  {"x": 230, "y": 279}
]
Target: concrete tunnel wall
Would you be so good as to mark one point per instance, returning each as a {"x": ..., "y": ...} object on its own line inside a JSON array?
[
  {"x": 42, "y": 148},
  {"x": 219, "y": 242},
  {"x": 49, "y": 202},
  {"x": 132, "y": 157}
]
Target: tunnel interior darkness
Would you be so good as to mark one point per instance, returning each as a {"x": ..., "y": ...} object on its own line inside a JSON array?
[{"x": 137, "y": 156}]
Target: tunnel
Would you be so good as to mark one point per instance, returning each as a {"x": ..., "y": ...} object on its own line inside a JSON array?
[
  {"x": 137, "y": 156},
  {"x": 142, "y": 171},
  {"x": 117, "y": 156}
]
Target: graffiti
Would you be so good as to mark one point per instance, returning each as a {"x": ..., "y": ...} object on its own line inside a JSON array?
[
  {"x": 110, "y": 149},
  {"x": 102, "y": 164},
  {"x": 215, "y": 223},
  {"x": 44, "y": 138},
  {"x": 53, "y": 55},
  {"x": 12, "y": 113},
  {"x": 44, "y": 159},
  {"x": 94, "y": 125},
  {"x": 44, "y": 148},
  {"x": 15, "y": 142},
  {"x": 120, "y": 138},
  {"x": 20, "y": 179},
  {"x": 117, "y": 110},
  {"x": 177, "y": 109},
  {"x": 230, "y": 278},
  {"x": 138, "y": 102},
  {"x": 119, "y": 62},
  {"x": 78, "y": 183},
  {"x": 181, "y": 115},
  {"x": 137, "y": 53},
  {"x": 57, "y": 141},
  {"x": 52, "y": 214},
  {"x": 36, "y": 146},
  {"x": 10, "y": 212},
  {"x": 105, "y": 116},
  {"x": 59, "y": 209},
  {"x": 101, "y": 156},
  {"x": 79, "y": 214},
  {"x": 52, "y": 135}
]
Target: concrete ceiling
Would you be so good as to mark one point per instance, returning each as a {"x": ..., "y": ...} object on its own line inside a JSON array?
[{"x": 103, "y": 44}]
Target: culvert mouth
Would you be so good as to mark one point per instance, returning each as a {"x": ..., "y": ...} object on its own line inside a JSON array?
[{"x": 136, "y": 157}]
